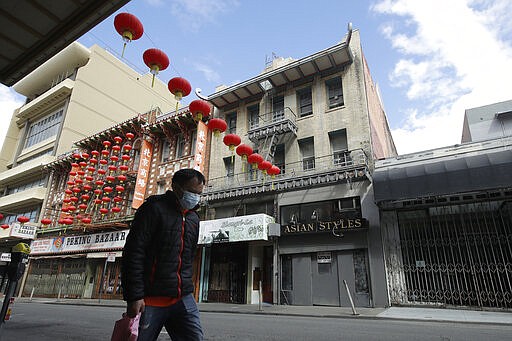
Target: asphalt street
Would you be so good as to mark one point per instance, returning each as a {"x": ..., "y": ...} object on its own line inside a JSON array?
[{"x": 38, "y": 321}]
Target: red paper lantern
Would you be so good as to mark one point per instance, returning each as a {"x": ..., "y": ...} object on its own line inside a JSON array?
[
  {"x": 117, "y": 199},
  {"x": 22, "y": 219},
  {"x": 95, "y": 153},
  {"x": 71, "y": 208},
  {"x": 87, "y": 188},
  {"x": 111, "y": 178},
  {"x": 129, "y": 27},
  {"x": 102, "y": 172},
  {"x": 66, "y": 201},
  {"x": 98, "y": 192},
  {"x": 105, "y": 199},
  {"x": 86, "y": 220},
  {"x": 108, "y": 189},
  {"x": 46, "y": 221},
  {"x": 273, "y": 171},
  {"x": 119, "y": 189},
  {"x": 244, "y": 151},
  {"x": 118, "y": 139},
  {"x": 255, "y": 159},
  {"x": 82, "y": 207},
  {"x": 60, "y": 221},
  {"x": 1, "y": 216},
  {"x": 121, "y": 178},
  {"x": 264, "y": 166},
  {"x": 68, "y": 191},
  {"x": 85, "y": 197},
  {"x": 156, "y": 60},
  {"x": 217, "y": 125},
  {"x": 179, "y": 87},
  {"x": 76, "y": 156},
  {"x": 85, "y": 156},
  {"x": 130, "y": 136},
  {"x": 116, "y": 209},
  {"x": 127, "y": 148},
  {"x": 107, "y": 144},
  {"x": 103, "y": 211},
  {"x": 199, "y": 109},
  {"x": 68, "y": 221},
  {"x": 232, "y": 140},
  {"x": 5, "y": 226},
  {"x": 123, "y": 168},
  {"x": 116, "y": 148},
  {"x": 74, "y": 199}
]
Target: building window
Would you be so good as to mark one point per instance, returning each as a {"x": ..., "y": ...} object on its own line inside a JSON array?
[
  {"x": 166, "y": 150},
  {"x": 253, "y": 112},
  {"x": 161, "y": 187},
  {"x": 279, "y": 158},
  {"x": 334, "y": 92},
  {"x": 305, "y": 102},
  {"x": 307, "y": 151},
  {"x": 180, "y": 146},
  {"x": 339, "y": 149},
  {"x": 24, "y": 186},
  {"x": 277, "y": 108},
  {"x": 31, "y": 213},
  {"x": 231, "y": 121},
  {"x": 44, "y": 128},
  {"x": 193, "y": 138},
  {"x": 230, "y": 166}
]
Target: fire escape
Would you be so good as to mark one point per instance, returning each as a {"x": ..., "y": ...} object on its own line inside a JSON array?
[{"x": 277, "y": 124}]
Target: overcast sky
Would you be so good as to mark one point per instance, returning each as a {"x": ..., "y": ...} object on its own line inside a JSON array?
[{"x": 431, "y": 59}]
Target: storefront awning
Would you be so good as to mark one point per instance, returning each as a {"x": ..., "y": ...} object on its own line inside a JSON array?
[{"x": 452, "y": 175}]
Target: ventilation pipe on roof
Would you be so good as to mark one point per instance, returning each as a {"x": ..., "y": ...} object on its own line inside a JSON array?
[{"x": 349, "y": 34}]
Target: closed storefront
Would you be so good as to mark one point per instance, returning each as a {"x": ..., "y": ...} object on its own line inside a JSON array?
[
  {"x": 79, "y": 266},
  {"x": 324, "y": 248}
]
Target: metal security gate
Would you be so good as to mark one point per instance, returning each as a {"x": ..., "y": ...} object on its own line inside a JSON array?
[
  {"x": 457, "y": 255},
  {"x": 49, "y": 277}
]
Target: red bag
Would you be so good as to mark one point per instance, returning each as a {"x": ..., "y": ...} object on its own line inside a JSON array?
[{"x": 126, "y": 329}]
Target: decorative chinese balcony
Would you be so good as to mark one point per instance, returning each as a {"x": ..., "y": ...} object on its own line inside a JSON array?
[
  {"x": 281, "y": 122},
  {"x": 341, "y": 167}
]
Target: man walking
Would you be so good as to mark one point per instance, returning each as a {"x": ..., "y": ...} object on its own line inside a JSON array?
[{"x": 158, "y": 261}]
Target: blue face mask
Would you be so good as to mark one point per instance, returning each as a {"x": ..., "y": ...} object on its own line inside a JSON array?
[{"x": 189, "y": 200}]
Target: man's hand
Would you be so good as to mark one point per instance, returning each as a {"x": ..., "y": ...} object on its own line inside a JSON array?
[{"x": 135, "y": 307}]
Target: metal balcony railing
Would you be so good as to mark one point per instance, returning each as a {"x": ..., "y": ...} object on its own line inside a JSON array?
[
  {"x": 274, "y": 122},
  {"x": 348, "y": 164}
]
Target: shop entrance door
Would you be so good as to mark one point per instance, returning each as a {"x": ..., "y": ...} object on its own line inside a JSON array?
[
  {"x": 353, "y": 268},
  {"x": 324, "y": 271},
  {"x": 227, "y": 277},
  {"x": 111, "y": 285}
]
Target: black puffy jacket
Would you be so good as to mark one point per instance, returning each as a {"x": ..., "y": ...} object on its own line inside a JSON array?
[{"x": 159, "y": 251}]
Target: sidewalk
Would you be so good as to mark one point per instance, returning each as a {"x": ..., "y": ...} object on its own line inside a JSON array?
[{"x": 405, "y": 313}]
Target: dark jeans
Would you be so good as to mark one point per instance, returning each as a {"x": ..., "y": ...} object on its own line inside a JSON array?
[{"x": 181, "y": 321}]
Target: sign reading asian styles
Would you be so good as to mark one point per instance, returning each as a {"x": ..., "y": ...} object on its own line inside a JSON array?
[
  {"x": 25, "y": 231},
  {"x": 336, "y": 227},
  {"x": 199, "y": 157},
  {"x": 235, "y": 229},
  {"x": 146, "y": 153},
  {"x": 89, "y": 242}
]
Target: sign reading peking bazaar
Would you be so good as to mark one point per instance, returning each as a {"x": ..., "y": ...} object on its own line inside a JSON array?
[{"x": 87, "y": 242}]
